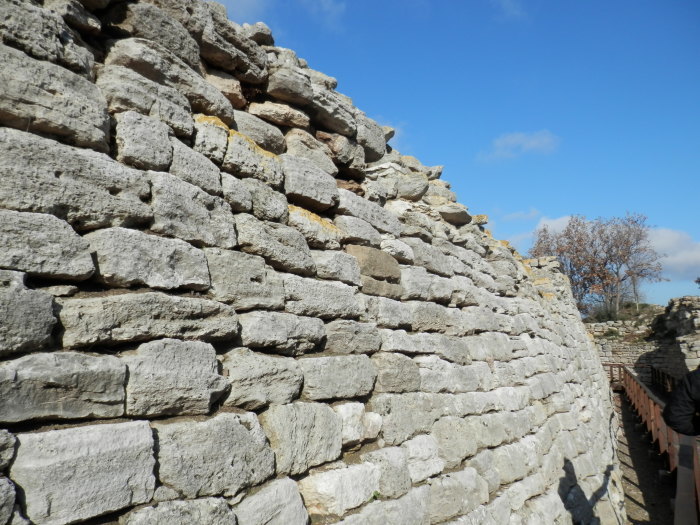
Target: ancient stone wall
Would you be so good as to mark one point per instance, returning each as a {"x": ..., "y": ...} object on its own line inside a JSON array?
[{"x": 223, "y": 297}]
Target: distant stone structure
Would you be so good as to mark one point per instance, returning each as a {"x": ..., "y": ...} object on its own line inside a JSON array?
[{"x": 224, "y": 298}]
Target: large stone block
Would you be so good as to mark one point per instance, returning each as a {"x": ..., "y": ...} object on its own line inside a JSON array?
[
  {"x": 336, "y": 491},
  {"x": 27, "y": 315},
  {"x": 277, "y": 503},
  {"x": 212, "y": 511},
  {"x": 290, "y": 84},
  {"x": 86, "y": 188},
  {"x": 383, "y": 220},
  {"x": 411, "y": 509},
  {"x": 143, "y": 142},
  {"x": 61, "y": 385},
  {"x": 456, "y": 493},
  {"x": 223, "y": 455},
  {"x": 172, "y": 377},
  {"x": 320, "y": 299},
  {"x": 130, "y": 257},
  {"x": 396, "y": 373},
  {"x": 229, "y": 85},
  {"x": 236, "y": 194},
  {"x": 337, "y": 377},
  {"x": 375, "y": 263},
  {"x": 357, "y": 231},
  {"x": 211, "y": 137},
  {"x": 387, "y": 312},
  {"x": 265, "y": 135},
  {"x": 258, "y": 380},
  {"x": 267, "y": 204},
  {"x": 74, "y": 474},
  {"x": 43, "y": 245},
  {"x": 332, "y": 111},
  {"x": 7, "y": 500},
  {"x": 456, "y": 439},
  {"x": 7, "y": 448},
  {"x": 318, "y": 231},
  {"x": 358, "y": 425},
  {"x": 281, "y": 332},
  {"x": 302, "y": 435},
  {"x": 422, "y": 457},
  {"x": 437, "y": 375},
  {"x": 244, "y": 158},
  {"x": 406, "y": 414},
  {"x": 143, "y": 316},
  {"x": 302, "y": 144},
  {"x": 189, "y": 213},
  {"x": 244, "y": 280},
  {"x": 350, "y": 337},
  {"x": 45, "y": 98},
  {"x": 370, "y": 136},
  {"x": 337, "y": 266},
  {"x": 453, "y": 349},
  {"x": 394, "y": 477},
  {"x": 307, "y": 185},
  {"x": 429, "y": 257}
]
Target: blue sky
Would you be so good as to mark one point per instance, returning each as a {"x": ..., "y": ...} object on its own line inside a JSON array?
[{"x": 538, "y": 109}]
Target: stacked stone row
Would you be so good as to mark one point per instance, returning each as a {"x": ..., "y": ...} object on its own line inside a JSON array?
[{"x": 225, "y": 299}]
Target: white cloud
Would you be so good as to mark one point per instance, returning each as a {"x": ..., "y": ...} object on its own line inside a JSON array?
[
  {"x": 532, "y": 213},
  {"x": 328, "y": 11},
  {"x": 555, "y": 225},
  {"x": 511, "y": 145},
  {"x": 681, "y": 254},
  {"x": 248, "y": 11},
  {"x": 510, "y": 8}
]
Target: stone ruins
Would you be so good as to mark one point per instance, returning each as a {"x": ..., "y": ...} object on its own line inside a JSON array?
[{"x": 225, "y": 299}]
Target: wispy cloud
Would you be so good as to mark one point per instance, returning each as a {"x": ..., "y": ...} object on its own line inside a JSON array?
[
  {"x": 529, "y": 215},
  {"x": 248, "y": 11},
  {"x": 511, "y": 145},
  {"x": 555, "y": 225},
  {"x": 523, "y": 241},
  {"x": 681, "y": 253},
  {"x": 510, "y": 8},
  {"x": 329, "y": 12}
]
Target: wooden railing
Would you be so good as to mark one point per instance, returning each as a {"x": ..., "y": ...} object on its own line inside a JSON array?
[
  {"x": 662, "y": 379},
  {"x": 683, "y": 452}
]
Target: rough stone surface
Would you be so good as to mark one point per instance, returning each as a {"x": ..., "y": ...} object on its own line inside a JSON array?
[
  {"x": 212, "y": 511},
  {"x": 331, "y": 111},
  {"x": 7, "y": 448},
  {"x": 302, "y": 144},
  {"x": 351, "y": 204},
  {"x": 290, "y": 85},
  {"x": 244, "y": 158},
  {"x": 336, "y": 491},
  {"x": 411, "y": 509},
  {"x": 266, "y": 203},
  {"x": 143, "y": 316},
  {"x": 265, "y": 135},
  {"x": 370, "y": 135},
  {"x": 422, "y": 457},
  {"x": 302, "y": 435},
  {"x": 61, "y": 385},
  {"x": 277, "y": 503},
  {"x": 307, "y": 185},
  {"x": 357, "y": 231},
  {"x": 319, "y": 232},
  {"x": 336, "y": 266},
  {"x": 193, "y": 167},
  {"x": 236, "y": 194},
  {"x": 211, "y": 137},
  {"x": 320, "y": 299},
  {"x": 279, "y": 114},
  {"x": 130, "y": 257},
  {"x": 7, "y": 499},
  {"x": 396, "y": 373},
  {"x": 350, "y": 337},
  {"x": 229, "y": 86},
  {"x": 337, "y": 377},
  {"x": 375, "y": 263},
  {"x": 280, "y": 332},
  {"x": 52, "y": 468},
  {"x": 172, "y": 377},
  {"x": 358, "y": 425},
  {"x": 394, "y": 476},
  {"x": 142, "y": 142}
]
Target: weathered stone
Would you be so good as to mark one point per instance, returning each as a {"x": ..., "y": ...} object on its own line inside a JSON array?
[
  {"x": 422, "y": 457},
  {"x": 236, "y": 194},
  {"x": 212, "y": 511},
  {"x": 155, "y": 62},
  {"x": 394, "y": 477},
  {"x": 337, "y": 266},
  {"x": 27, "y": 315},
  {"x": 429, "y": 257},
  {"x": 172, "y": 377},
  {"x": 223, "y": 455},
  {"x": 456, "y": 493},
  {"x": 320, "y": 299},
  {"x": 283, "y": 247},
  {"x": 405, "y": 415},
  {"x": 302, "y": 435},
  {"x": 75, "y": 15},
  {"x": 375, "y": 263},
  {"x": 267, "y": 204},
  {"x": 399, "y": 250},
  {"x": 350, "y": 337},
  {"x": 336, "y": 491},
  {"x": 371, "y": 286},
  {"x": 319, "y": 232},
  {"x": 290, "y": 85},
  {"x": 265, "y": 135},
  {"x": 61, "y": 385},
  {"x": 419, "y": 284},
  {"x": 337, "y": 377},
  {"x": 258, "y": 380},
  {"x": 52, "y": 469},
  {"x": 259, "y": 33},
  {"x": 331, "y": 111},
  {"x": 130, "y": 257},
  {"x": 243, "y": 280},
  {"x": 307, "y": 185},
  {"x": 411, "y": 509},
  {"x": 126, "y": 90},
  {"x": 351, "y": 204},
  {"x": 7, "y": 500},
  {"x": 396, "y": 373},
  {"x": 42, "y": 34},
  {"x": 279, "y": 114},
  {"x": 357, "y": 231},
  {"x": 454, "y": 349},
  {"x": 345, "y": 152},
  {"x": 277, "y": 503},
  {"x": 244, "y": 158},
  {"x": 442, "y": 376},
  {"x": 189, "y": 213},
  {"x": 45, "y": 98},
  {"x": 211, "y": 138},
  {"x": 193, "y": 167},
  {"x": 7, "y": 448},
  {"x": 370, "y": 135},
  {"x": 358, "y": 425},
  {"x": 454, "y": 213},
  {"x": 229, "y": 86},
  {"x": 142, "y": 142},
  {"x": 143, "y": 316},
  {"x": 42, "y": 245},
  {"x": 280, "y": 331},
  {"x": 302, "y": 144},
  {"x": 455, "y": 438},
  {"x": 387, "y": 313}
]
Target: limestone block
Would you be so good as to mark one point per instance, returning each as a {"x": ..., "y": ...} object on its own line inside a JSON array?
[
  {"x": 411, "y": 509},
  {"x": 43, "y": 245},
  {"x": 452, "y": 349},
  {"x": 143, "y": 316},
  {"x": 429, "y": 257},
  {"x": 130, "y": 257},
  {"x": 280, "y": 332},
  {"x": 396, "y": 373},
  {"x": 259, "y": 33},
  {"x": 155, "y": 62},
  {"x": 244, "y": 158},
  {"x": 350, "y": 337},
  {"x": 61, "y": 385},
  {"x": 55, "y": 469},
  {"x": 277, "y": 503},
  {"x": 454, "y": 213},
  {"x": 126, "y": 90},
  {"x": 372, "y": 286},
  {"x": 189, "y": 213},
  {"x": 265, "y": 135},
  {"x": 456, "y": 493},
  {"x": 267, "y": 204},
  {"x": 357, "y": 231},
  {"x": 243, "y": 280},
  {"x": 432, "y": 317},
  {"x": 7, "y": 448},
  {"x": 370, "y": 136},
  {"x": 7, "y": 499},
  {"x": 483, "y": 463},
  {"x": 258, "y": 380},
  {"x": 375, "y": 263},
  {"x": 236, "y": 194},
  {"x": 383, "y": 220},
  {"x": 345, "y": 151},
  {"x": 319, "y": 232},
  {"x": 320, "y": 299},
  {"x": 387, "y": 313},
  {"x": 212, "y": 511},
  {"x": 229, "y": 86},
  {"x": 336, "y": 266},
  {"x": 394, "y": 477},
  {"x": 211, "y": 138},
  {"x": 307, "y": 185},
  {"x": 172, "y": 377},
  {"x": 302, "y": 144},
  {"x": 331, "y": 111},
  {"x": 290, "y": 84},
  {"x": 193, "y": 167},
  {"x": 437, "y": 375},
  {"x": 45, "y": 98},
  {"x": 422, "y": 457},
  {"x": 302, "y": 435},
  {"x": 406, "y": 414},
  {"x": 223, "y": 454},
  {"x": 42, "y": 34},
  {"x": 358, "y": 425},
  {"x": 455, "y": 438},
  {"x": 515, "y": 461},
  {"x": 419, "y": 284},
  {"x": 283, "y": 247},
  {"x": 334, "y": 492},
  {"x": 27, "y": 315},
  {"x": 399, "y": 250},
  {"x": 75, "y": 15},
  {"x": 337, "y": 377}
]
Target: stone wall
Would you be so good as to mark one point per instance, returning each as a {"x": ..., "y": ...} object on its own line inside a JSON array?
[{"x": 224, "y": 298}]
